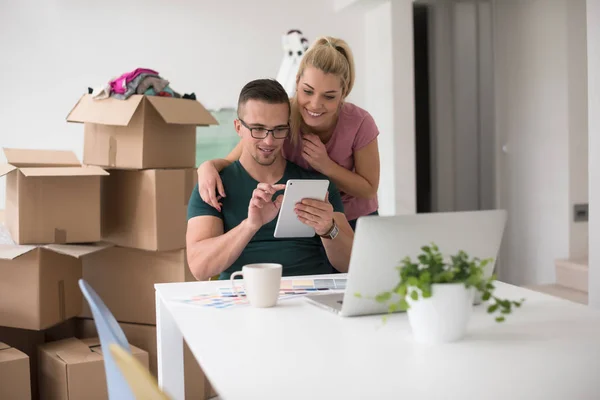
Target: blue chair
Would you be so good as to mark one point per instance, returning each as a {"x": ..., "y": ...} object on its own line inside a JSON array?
[{"x": 109, "y": 332}]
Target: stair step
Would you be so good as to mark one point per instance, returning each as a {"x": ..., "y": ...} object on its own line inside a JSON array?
[
  {"x": 563, "y": 292},
  {"x": 572, "y": 274}
]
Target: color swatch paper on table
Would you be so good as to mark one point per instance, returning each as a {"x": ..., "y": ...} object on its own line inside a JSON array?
[
  {"x": 226, "y": 297},
  {"x": 297, "y": 286},
  {"x": 315, "y": 284},
  {"x": 223, "y": 301}
]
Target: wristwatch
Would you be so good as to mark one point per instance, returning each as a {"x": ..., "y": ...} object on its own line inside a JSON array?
[{"x": 332, "y": 233}]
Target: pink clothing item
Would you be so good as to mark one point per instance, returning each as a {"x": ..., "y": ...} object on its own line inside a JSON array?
[
  {"x": 354, "y": 130},
  {"x": 119, "y": 85}
]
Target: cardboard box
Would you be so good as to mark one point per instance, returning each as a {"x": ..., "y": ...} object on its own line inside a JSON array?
[
  {"x": 51, "y": 197},
  {"x": 74, "y": 369},
  {"x": 14, "y": 373},
  {"x": 39, "y": 284},
  {"x": 28, "y": 342},
  {"x": 197, "y": 386},
  {"x": 124, "y": 278},
  {"x": 140, "y": 132},
  {"x": 147, "y": 209}
]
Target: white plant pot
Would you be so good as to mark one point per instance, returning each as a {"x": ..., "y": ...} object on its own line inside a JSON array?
[{"x": 444, "y": 316}]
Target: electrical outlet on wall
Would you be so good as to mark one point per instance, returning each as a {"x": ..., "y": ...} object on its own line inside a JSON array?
[{"x": 580, "y": 212}]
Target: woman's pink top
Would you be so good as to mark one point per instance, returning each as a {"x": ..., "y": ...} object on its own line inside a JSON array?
[{"x": 354, "y": 130}]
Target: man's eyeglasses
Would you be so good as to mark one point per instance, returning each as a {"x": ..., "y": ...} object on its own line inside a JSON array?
[{"x": 281, "y": 132}]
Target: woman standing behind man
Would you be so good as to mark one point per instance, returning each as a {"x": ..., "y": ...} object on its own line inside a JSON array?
[{"x": 328, "y": 134}]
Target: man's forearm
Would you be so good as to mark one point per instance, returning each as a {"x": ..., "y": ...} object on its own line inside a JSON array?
[
  {"x": 212, "y": 256},
  {"x": 339, "y": 249}
]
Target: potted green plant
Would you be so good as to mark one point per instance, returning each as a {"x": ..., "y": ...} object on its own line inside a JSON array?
[{"x": 438, "y": 294}]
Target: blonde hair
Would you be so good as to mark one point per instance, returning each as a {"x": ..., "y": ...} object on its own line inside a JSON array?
[{"x": 332, "y": 56}]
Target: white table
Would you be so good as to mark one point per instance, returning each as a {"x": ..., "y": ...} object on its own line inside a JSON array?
[{"x": 547, "y": 349}]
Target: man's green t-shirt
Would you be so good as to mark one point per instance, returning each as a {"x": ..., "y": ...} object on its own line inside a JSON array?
[{"x": 299, "y": 256}]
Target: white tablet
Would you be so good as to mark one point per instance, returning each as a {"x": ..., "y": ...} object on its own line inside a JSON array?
[{"x": 288, "y": 224}]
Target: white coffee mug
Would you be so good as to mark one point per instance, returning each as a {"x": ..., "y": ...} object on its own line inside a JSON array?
[{"x": 262, "y": 283}]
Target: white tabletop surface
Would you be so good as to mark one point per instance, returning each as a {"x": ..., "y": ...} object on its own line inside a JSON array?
[{"x": 547, "y": 349}]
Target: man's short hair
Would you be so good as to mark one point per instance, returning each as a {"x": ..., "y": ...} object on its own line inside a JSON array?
[{"x": 268, "y": 90}]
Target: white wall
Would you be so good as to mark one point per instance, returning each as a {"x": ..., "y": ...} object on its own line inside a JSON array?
[
  {"x": 389, "y": 95},
  {"x": 532, "y": 118},
  {"x": 53, "y": 50},
  {"x": 578, "y": 125},
  {"x": 541, "y": 113},
  {"x": 593, "y": 64}
]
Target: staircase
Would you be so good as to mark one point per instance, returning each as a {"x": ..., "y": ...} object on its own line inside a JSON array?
[{"x": 571, "y": 281}]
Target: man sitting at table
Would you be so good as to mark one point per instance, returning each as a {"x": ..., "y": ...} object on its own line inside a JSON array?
[{"x": 221, "y": 241}]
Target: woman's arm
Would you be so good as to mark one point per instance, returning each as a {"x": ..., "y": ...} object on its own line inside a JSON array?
[
  {"x": 362, "y": 183},
  {"x": 234, "y": 155},
  {"x": 209, "y": 180}
]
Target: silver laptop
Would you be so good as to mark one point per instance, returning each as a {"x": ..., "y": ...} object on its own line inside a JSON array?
[{"x": 380, "y": 243}]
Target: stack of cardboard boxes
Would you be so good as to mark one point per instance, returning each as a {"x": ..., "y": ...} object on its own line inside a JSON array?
[
  {"x": 148, "y": 144},
  {"x": 118, "y": 221},
  {"x": 52, "y": 202}
]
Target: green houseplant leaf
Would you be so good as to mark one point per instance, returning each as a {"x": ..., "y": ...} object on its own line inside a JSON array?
[{"x": 417, "y": 278}]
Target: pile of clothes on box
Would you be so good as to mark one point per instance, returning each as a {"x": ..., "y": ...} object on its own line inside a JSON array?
[{"x": 142, "y": 81}]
